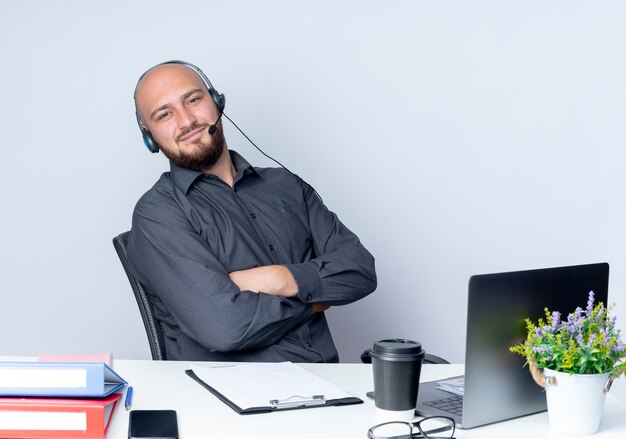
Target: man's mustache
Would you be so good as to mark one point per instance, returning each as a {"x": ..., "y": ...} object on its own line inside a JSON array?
[{"x": 189, "y": 129}]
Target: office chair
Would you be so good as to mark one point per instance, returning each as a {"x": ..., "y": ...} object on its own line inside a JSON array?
[{"x": 154, "y": 330}]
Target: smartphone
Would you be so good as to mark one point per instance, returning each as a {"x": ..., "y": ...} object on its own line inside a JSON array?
[{"x": 156, "y": 424}]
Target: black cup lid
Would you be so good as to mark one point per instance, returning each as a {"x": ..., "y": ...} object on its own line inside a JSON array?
[{"x": 397, "y": 348}]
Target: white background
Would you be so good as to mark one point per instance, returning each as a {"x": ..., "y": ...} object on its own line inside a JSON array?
[{"x": 453, "y": 137}]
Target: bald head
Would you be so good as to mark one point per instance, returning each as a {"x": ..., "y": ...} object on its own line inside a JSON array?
[{"x": 156, "y": 86}]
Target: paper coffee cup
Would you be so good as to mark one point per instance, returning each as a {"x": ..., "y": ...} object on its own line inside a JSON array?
[{"x": 396, "y": 364}]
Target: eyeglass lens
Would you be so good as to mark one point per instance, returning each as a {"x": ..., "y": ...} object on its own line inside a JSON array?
[
  {"x": 432, "y": 428},
  {"x": 437, "y": 427}
]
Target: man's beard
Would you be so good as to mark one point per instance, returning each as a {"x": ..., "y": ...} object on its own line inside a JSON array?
[{"x": 204, "y": 155}]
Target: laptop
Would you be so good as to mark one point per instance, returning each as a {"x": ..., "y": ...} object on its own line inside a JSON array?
[{"x": 496, "y": 385}]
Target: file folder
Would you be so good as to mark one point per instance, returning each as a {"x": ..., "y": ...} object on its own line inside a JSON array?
[
  {"x": 58, "y": 379},
  {"x": 267, "y": 387},
  {"x": 38, "y": 418},
  {"x": 102, "y": 357}
]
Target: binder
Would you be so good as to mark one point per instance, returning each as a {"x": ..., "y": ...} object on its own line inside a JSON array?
[
  {"x": 38, "y": 418},
  {"x": 269, "y": 387},
  {"x": 102, "y": 357},
  {"x": 58, "y": 379}
]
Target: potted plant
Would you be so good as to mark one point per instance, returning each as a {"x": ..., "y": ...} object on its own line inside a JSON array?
[{"x": 576, "y": 360}]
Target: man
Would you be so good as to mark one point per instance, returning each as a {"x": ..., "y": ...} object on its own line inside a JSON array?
[{"x": 241, "y": 262}]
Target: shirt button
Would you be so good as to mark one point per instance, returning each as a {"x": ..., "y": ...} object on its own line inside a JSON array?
[
  {"x": 253, "y": 215},
  {"x": 309, "y": 297},
  {"x": 271, "y": 247}
]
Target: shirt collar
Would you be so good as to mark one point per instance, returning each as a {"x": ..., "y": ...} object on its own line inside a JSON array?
[{"x": 184, "y": 178}]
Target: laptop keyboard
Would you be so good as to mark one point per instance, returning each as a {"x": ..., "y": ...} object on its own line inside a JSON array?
[{"x": 453, "y": 404}]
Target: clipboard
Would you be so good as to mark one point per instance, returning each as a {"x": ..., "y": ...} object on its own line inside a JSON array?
[{"x": 290, "y": 383}]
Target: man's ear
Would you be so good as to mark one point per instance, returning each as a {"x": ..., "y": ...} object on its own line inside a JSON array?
[{"x": 142, "y": 126}]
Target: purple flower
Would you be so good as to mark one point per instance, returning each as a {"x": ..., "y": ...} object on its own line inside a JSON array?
[
  {"x": 542, "y": 349},
  {"x": 556, "y": 319},
  {"x": 590, "y": 302},
  {"x": 579, "y": 339},
  {"x": 605, "y": 337},
  {"x": 600, "y": 313},
  {"x": 618, "y": 348},
  {"x": 575, "y": 321},
  {"x": 592, "y": 338},
  {"x": 574, "y": 327}
]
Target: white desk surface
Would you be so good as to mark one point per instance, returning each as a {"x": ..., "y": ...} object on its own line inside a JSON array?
[{"x": 164, "y": 385}]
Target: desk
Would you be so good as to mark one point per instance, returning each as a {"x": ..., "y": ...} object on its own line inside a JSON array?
[{"x": 164, "y": 385}]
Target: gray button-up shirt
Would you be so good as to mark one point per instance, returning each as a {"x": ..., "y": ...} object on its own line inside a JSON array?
[{"x": 190, "y": 230}]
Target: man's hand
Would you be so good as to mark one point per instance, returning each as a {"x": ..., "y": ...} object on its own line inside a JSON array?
[{"x": 271, "y": 279}]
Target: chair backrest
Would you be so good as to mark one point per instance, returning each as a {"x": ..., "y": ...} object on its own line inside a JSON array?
[{"x": 154, "y": 330}]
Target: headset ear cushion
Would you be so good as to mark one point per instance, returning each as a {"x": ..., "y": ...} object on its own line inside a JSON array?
[
  {"x": 148, "y": 140},
  {"x": 219, "y": 99}
]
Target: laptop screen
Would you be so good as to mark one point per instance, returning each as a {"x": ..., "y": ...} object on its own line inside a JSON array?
[{"x": 497, "y": 386}]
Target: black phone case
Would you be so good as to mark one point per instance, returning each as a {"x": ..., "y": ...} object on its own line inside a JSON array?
[{"x": 154, "y": 424}]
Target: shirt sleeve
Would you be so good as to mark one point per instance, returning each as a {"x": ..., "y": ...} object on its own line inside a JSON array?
[
  {"x": 174, "y": 262},
  {"x": 343, "y": 270}
]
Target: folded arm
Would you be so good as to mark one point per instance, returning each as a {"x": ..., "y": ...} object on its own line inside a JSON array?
[
  {"x": 175, "y": 262},
  {"x": 275, "y": 280},
  {"x": 270, "y": 279},
  {"x": 341, "y": 270}
]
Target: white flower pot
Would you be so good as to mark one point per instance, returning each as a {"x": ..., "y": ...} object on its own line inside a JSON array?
[{"x": 575, "y": 402}]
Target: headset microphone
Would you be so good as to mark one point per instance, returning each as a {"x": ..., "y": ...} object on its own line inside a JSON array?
[{"x": 213, "y": 128}]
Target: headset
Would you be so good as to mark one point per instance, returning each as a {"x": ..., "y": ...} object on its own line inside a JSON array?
[{"x": 219, "y": 99}]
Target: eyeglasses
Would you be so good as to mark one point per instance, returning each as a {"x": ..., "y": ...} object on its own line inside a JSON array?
[{"x": 434, "y": 427}]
